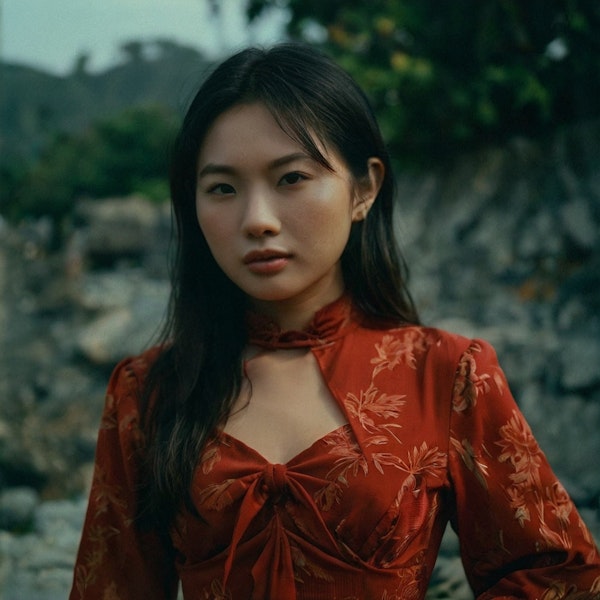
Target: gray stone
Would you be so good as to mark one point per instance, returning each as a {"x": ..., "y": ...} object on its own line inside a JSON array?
[
  {"x": 53, "y": 518},
  {"x": 580, "y": 361},
  {"x": 17, "y": 506},
  {"x": 129, "y": 327},
  {"x": 448, "y": 581},
  {"x": 579, "y": 223},
  {"x": 566, "y": 428},
  {"x": 39, "y": 565},
  {"x": 118, "y": 226}
]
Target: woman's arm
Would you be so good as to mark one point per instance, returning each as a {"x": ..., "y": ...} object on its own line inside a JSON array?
[
  {"x": 521, "y": 536},
  {"x": 116, "y": 560}
]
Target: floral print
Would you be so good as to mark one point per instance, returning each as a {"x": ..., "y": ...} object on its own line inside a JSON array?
[
  {"x": 433, "y": 435},
  {"x": 393, "y": 350},
  {"x": 351, "y": 461},
  {"x": 469, "y": 383}
]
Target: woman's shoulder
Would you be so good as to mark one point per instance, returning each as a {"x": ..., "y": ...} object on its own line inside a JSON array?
[
  {"x": 431, "y": 346},
  {"x": 131, "y": 371},
  {"x": 126, "y": 384},
  {"x": 429, "y": 338}
]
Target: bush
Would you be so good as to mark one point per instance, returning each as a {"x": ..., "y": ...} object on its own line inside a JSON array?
[
  {"x": 448, "y": 75},
  {"x": 116, "y": 156}
]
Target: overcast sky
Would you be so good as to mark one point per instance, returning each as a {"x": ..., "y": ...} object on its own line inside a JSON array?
[{"x": 52, "y": 33}]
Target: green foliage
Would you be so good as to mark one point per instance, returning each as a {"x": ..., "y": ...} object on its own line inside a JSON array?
[
  {"x": 448, "y": 74},
  {"x": 12, "y": 177},
  {"x": 116, "y": 156},
  {"x": 92, "y": 134}
]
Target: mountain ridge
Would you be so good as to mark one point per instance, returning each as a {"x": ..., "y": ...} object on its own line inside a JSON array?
[{"x": 35, "y": 105}]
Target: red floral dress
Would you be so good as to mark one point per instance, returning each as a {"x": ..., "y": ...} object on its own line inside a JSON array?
[{"x": 433, "y": 436}]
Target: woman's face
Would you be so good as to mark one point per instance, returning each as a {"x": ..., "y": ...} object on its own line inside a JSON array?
[{"x": 275, "y": 220}]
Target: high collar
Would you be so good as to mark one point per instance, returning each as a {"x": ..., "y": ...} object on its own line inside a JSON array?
[{"x": 328, "y": 323}]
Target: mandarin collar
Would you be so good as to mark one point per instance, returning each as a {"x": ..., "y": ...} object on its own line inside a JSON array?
[{"x": 328, "y": 323}]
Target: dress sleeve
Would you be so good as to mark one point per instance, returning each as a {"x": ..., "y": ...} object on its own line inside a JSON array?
[
  {"x": 117, "y": 561},
  {"x": 520, "y": 534}
]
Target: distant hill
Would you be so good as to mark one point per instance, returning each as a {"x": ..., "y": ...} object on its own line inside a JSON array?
[{"x": 34, "y": 105}]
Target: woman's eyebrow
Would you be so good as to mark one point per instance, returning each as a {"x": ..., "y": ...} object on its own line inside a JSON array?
[
  {"x": 216, "y": 169},
  {"x": 288, "y": 158},
  {"x": 212, "y": 169}
]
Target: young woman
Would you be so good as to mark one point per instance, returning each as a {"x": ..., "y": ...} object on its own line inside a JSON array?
[{"x": 299, "y": 435}]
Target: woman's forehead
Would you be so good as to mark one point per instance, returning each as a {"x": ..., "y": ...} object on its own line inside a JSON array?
[{"x": 251, "y": 129}]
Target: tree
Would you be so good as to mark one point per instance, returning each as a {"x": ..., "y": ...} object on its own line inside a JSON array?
[
  {"x": 444, "y": 75},
  {"x": 116, "y": 156},
  {"x": 81, "y": 65},
  {"x": 133, "y": 50}
]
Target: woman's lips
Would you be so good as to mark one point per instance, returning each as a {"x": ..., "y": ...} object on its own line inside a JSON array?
[{"x": 266, "y": 262}]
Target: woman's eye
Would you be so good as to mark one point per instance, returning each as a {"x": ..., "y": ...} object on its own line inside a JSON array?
[
  {"x": 292, "y": 178},
  {"x": 221, "y": 189}
]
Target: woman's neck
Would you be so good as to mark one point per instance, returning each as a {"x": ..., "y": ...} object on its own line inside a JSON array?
[{"x": 294, "y": 315}]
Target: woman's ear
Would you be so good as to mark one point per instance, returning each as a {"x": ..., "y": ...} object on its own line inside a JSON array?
[{"x": 367, "y": 189}]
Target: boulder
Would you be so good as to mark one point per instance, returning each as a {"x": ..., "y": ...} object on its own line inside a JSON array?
[{"x": 117, "y": 229}]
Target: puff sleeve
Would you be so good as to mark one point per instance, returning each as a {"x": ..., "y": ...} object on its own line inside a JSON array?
[
  {"x": 117, "y": 561},
  {"x": 521, "y": 536}
]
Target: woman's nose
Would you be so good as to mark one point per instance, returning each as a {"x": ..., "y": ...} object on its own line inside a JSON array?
[{"x": 260, "y": 216}]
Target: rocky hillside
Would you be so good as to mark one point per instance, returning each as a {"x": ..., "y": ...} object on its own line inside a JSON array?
[{"x": 503, "y": 244}]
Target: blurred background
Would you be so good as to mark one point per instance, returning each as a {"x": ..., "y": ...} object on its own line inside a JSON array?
[{"x": 491, "y": 109}]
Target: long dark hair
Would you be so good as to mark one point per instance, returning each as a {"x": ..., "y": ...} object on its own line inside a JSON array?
[{"x": 193, "y": 383}]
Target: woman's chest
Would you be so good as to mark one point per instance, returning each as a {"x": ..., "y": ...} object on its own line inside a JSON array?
[
  {"x": 377, "y": 505},
  {"x": 285, "y": 405}
]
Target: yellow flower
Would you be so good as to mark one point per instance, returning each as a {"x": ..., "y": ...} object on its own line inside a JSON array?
[
  {"x": 384, "y": 26},
  {"x": 400, "y": 61},
  {"x": 338, "y": 35}
]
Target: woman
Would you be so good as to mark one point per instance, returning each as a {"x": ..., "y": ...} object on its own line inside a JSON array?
[{"x": 298, "y": 434}]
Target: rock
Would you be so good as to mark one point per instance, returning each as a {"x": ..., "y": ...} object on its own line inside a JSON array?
[
  {"x": 580, "y": 360},
  {"x": 579, "y": 223},
  {"x": 118, "y": 228},
  {"x": 60, "y": 519},
  {"x": 17, "y": 506},
  {"x": 130, "y": 326},
  {"x": 106, "y": 290},
  {"x": 566, "y": 428},
  {"x": 448, "y": 581},
  {"x": 591, "y": 518},
  {"x": 578, "y": 298},
  {"x": 39, "y": 565}
]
